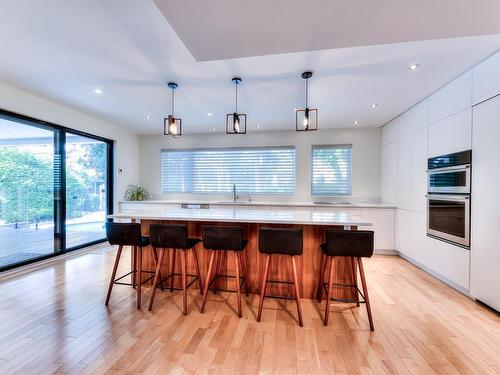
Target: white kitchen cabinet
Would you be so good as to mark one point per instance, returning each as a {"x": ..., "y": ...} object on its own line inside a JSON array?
[
  {"x": 485, "y": 203},
  {"x": 418, "y": 170},
  {"x": 414, "y": 119},
  {"x": 390, "y": 131},
  {"x": 389, "y": 172},
  {"x": 486, "y": 79},
  {"x": 404, "y": 173},
  {"x": 382, "y": 224},
  {"x": 452, "y": 98},
  {"x": 452, "y": 134},
  {"x": 450, "y": 261},
  {"x": 411, "y": 231}
]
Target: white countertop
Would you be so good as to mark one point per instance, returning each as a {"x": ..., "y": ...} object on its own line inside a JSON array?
[
  {"x": 274, "y": 203},
  {"x": 235, "y": 215}
]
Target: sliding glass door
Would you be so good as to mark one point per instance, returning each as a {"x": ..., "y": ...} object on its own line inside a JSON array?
[
  {"x": 26, "y": 192},
  {"x": 86, "y": 189},
  {"x": 55, "y": 189}
]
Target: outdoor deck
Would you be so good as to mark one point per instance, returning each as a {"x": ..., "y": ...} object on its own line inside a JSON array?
[{"x": 21, "y": 244}]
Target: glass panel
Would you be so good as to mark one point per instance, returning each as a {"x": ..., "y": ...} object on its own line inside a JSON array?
[
  {"x": 448, "y": 179},
  {"x": 86, "y": 173},
  {"x": 447, "y": 217},
  {"x": 26, "y": 192}
]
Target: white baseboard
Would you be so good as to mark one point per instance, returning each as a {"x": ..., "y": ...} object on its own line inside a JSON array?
[
  {"x": 436, "y": 275},
  {"x": 385, "y": 252}
]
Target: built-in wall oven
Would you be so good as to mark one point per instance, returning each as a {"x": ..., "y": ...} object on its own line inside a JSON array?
[{"x": 448, "y": 198}]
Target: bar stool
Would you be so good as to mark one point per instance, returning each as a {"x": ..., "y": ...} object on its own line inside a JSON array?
[
  {"x": 280, "y": 241},
  {"x": 174, "y": 237},
  {"x": 354, "y": 245},
  {"x": 128, "y": 234},
  {"x": 219, "y": 240}
]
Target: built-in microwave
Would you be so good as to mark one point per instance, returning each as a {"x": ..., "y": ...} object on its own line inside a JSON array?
[{"x": 450, "y": 173}]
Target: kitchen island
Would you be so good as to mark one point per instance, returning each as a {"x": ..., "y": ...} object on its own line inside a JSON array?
[{"x": 313, "y": 224}]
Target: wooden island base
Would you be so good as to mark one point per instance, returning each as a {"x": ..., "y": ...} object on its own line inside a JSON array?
[{"x": 308, "y": 265}]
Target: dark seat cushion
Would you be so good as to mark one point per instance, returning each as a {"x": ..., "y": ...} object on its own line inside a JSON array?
[
  {"x": 286, "y": 241},
  {"x": 125, "y": 234},
  {"x": 358, "y": 243},
  {"x": 171, "y": 236},
  {"x": 223, "y": 238}
]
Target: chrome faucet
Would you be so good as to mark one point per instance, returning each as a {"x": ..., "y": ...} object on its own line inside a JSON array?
[{"x": 235, "y": 194}]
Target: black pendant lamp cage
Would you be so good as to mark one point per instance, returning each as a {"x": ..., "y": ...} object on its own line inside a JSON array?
[
  {"x": 171, "y": 125},
  {"x": 306, "y": 119},
  {"x": 236, "y": 123}
]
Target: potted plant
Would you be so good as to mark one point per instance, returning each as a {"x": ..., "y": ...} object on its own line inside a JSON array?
[{"x": 136, "y": 193}]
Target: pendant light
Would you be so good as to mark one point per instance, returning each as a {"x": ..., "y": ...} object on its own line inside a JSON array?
[
  {"x": 172, "y": 125},
  {"x": 306, "y": 119},
  {"x": 236, "y": 123}
]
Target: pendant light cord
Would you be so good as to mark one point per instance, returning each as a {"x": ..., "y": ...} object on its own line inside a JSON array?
[
  {"x": 236, "y": 98},
  {"x": 172, "y": 102},
  {"x": 307, "y": 91}
]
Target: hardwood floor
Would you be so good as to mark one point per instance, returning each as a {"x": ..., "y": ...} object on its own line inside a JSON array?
[{"x": 53, "y": 321}]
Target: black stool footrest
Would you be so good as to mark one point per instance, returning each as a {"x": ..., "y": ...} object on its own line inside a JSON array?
[
  {"x": 338, "y": 285},
  {"x": 117, "y": 281},
  {"x": 213, "y": 289},
  {"x": 280, "y": 282},
  {"x": 172, "y": 275}
]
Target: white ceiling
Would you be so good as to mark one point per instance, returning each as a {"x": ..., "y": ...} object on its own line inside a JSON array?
[
  {"x": 225, "y": 29},
  {"x": 65, "y": 49}
]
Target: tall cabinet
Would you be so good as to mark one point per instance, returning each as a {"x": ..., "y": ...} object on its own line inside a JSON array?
[{"x": 485, "y": 233}]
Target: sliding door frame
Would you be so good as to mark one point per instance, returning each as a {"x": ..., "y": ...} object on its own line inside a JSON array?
[{"x": 60, "y": 186}]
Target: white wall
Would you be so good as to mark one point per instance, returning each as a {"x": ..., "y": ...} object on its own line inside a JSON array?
[
  {"x": 440, "y": 124},
  {"x": 126, "y": 142},
  {"x": 365, "y": 168}
]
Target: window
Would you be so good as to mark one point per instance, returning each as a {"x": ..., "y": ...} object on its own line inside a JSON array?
[
  {"x": 55, "y": 189},
  {"x": 332, "y": 170},
  {"x": 256, "y": 170}
]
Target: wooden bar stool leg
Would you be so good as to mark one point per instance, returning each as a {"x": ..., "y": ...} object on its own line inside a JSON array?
[
  {"x": 156, "y": 279},
  {"x": 172, "y": 268},
  {"x": 238, "y": 291},
  {"x": 139, "y": 276},
  {"x": 263, "y": 287},
  {"x": 355, "y": 280},
  {"x": 330, "y": 289},
  {"x": 207, "y": 281},
  {"x": 154, "y": 251},
  {"x": 365, "y": 291},
  {"x": 184, "y": 283},
  {"x": 218, "y": 265},
  {"x": 134, "y": 265},
  {"x": 113, "y": 274},
  {"x": 197, "y": 267},
  {"x": 319, "y": 292},
  {"x": 241, "y": 256},
  {"x": 297, "y": 291}
]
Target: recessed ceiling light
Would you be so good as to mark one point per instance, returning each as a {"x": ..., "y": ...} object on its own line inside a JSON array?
[
  {"x": 213, "y": 128},
  {"x": 147, "y": 117},
  {"x": 374, "y": 105},
  {"x": 295, "y": 109},
  {"x": 355, "y": 122},
  {"x": 210, "y": 114},
  {"x": 413, "y": 66},
  {"x": 259, "y": 126},
  {"x": 97, "y": 91}
]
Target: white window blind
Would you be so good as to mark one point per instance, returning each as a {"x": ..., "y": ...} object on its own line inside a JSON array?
[
  {"x": 256, "y": 170},
  {"x": 332, "y": 170}
]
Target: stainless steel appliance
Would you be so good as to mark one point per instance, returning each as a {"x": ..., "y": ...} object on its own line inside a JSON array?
[
  {"x": 448, "y": 198},
  {"x": 448, "y": 218}
]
